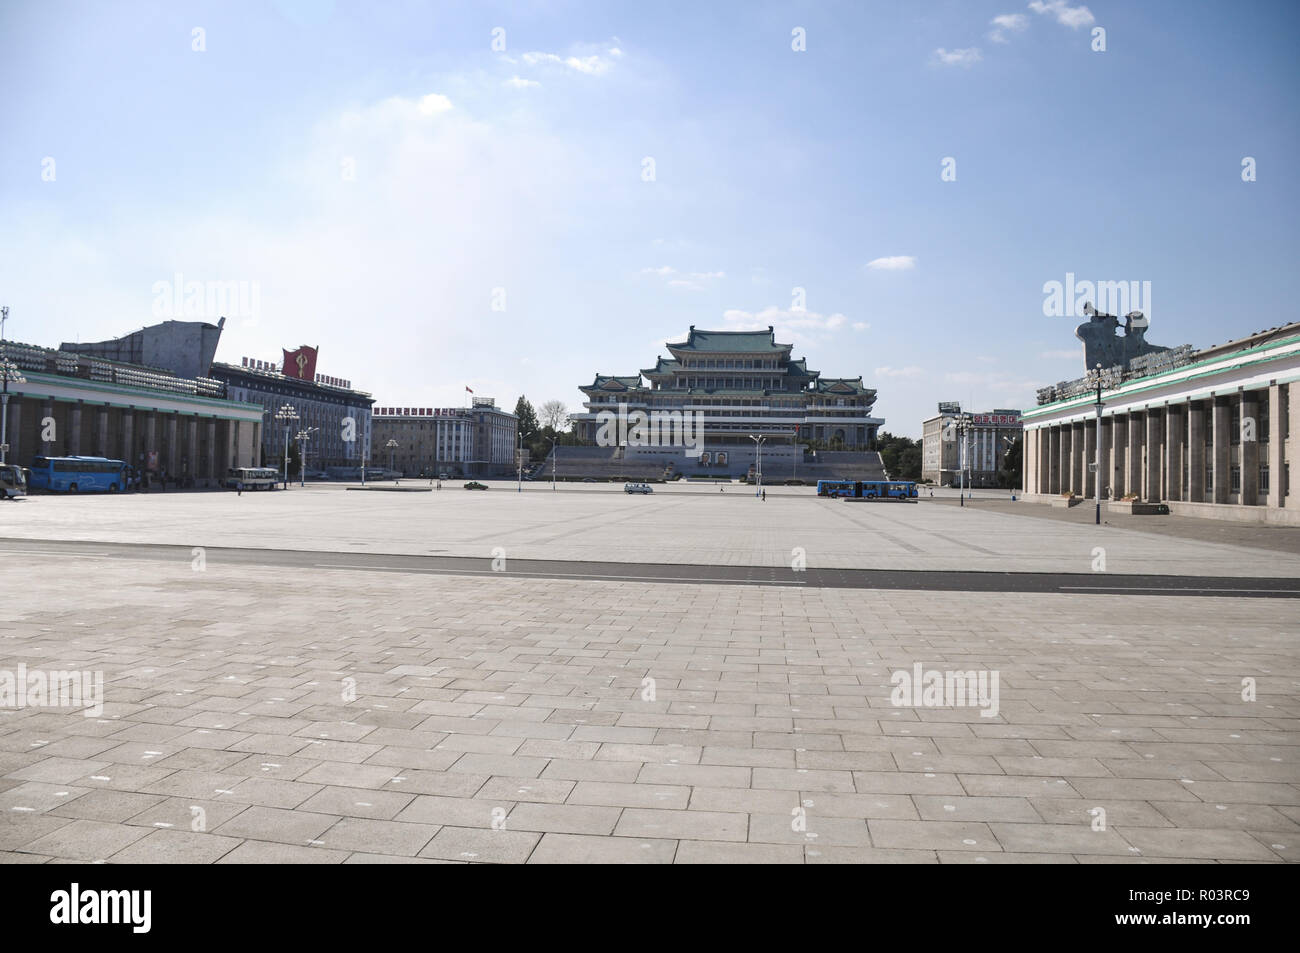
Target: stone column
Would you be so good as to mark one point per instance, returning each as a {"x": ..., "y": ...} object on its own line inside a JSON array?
[
  {"x": 1222, "y": 449},
  {"x": 101, "y": 433},
  {"x": 1249, "y": 448},
  {"x": 1133, "y": 458},
  {"x": 1089, "y": 457},
  {"x": 1066, "y": 437},
  {"x": 128, "y": 437},
  {"x": 1175, "y": 434},
  {"x": 1277, "y": 430},
  {"x": 171, "y": 454},
  {"x": 210, "y": 458},
  {"x": 1107, "y": 473},
  {"x": 1044, "y": 460},
  {"x": 1152, "y": 489},
  {"x": 74, "y": 431},
  {"x": 1053, "y": 458},
  {"x": 150, "y": 434},
  {"x": 1119, "y": 443},
  {"x": 1196, "y": 452},
  {"x": 14, "y": 435},
  {"x": 192, "y": 449}
]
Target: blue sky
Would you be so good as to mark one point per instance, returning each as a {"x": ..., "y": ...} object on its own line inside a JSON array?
[{"x": 381, "y": 175}]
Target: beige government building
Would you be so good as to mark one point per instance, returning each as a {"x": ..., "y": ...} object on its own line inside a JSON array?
[{"x": 1211, "y": 437}]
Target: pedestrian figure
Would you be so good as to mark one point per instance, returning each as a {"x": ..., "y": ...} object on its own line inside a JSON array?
[
  {"x": 765, "y": 496},
  {"x": 239, "y": 485}
]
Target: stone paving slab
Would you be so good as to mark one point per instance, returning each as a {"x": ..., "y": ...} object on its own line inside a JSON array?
[
  {"x": 677, "y": 525},
  {"x": 272, "y": 717}
]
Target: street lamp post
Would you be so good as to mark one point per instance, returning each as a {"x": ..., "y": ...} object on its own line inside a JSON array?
[
  {"x": 1096, "y": 376},
  {"x": 286, "y": 414},
  {"x": 963, "y": 425},
  {"x": 392, "y": 446},
  {"x": 758, "y": 465},
  {"x": 302, "y": 438},
  {"x": 555, "y": 453},
  {"x": 519, "y": 462}
]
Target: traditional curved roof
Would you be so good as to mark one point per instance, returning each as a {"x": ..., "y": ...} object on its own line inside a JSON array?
[
  {"x": 608, "y": 382},
  {"x": 841, "y": 386},
  {"x": 731, "y": 342}
]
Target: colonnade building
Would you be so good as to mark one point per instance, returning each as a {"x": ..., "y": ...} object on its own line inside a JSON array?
[
  {"x": 68, "y": 404},
  {"x": 1213, "y": 437}
]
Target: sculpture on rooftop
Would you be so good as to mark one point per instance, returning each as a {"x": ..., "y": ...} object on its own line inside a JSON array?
[{"x": 1103, "y": 346}]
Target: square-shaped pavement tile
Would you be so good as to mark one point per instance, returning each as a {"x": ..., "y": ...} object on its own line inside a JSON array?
[
  {"x": 266, "y": 852},
  {"x": 719, "y": 852},
  {"x": 932, "y": 835},
  {"x": 691, "y": 825},
  {"x": 86, "y": 840},
  {"x": 357, "y": 802},
  {"x": 382, "y": 837},
  {"x": 176, "y": 847},
  {"x": 586, "y": 849},
  {"x": 274, "y": 824},
  {"x": 480, "y": 846},
  {"x": 1189, "y": 842}
]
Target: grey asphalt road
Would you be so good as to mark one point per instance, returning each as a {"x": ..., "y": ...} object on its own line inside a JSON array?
[{"x": 936, "y": 581}]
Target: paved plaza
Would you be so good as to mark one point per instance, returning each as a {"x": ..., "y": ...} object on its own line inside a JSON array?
[{"x": 301, "y": 714}]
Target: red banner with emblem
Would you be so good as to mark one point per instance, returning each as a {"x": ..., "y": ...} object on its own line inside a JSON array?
[{"x": 300, "y": 364}]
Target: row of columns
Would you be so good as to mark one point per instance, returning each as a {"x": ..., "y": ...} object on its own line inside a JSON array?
[
  {"x": 1143, "y": 451},
  {"x": 58, "y": 429}
]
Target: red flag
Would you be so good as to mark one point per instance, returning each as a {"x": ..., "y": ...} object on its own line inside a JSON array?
[
  {"x": 467, "y": 388},
  {"x": 300, "y": 364}
]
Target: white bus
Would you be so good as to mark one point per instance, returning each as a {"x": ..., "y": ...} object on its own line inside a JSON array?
[
  {"x": 253, "y": 478},
  {"x": 13, "y": 481}
]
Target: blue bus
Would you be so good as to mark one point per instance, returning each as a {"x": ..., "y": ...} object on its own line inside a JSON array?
[
  {"x": 867, "y": 489},
  {"x": 78, "y": 474}
]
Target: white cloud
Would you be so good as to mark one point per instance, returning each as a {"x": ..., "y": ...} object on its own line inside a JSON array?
[
  {"x": 801, "y": 327},
  {"x": 517, "y": 82},
  {"x": 692, "y": 280},
  {"x": 434, "y": 103},
  {"x": 1066, "y": 15},
  {"x": 593, "y": 64},
  {"x": 860, "y": 325},
  {"x": 892, "y": 263},
  {"x": 1007, "y": 23},
  {"x": 910, "y": 371},
  {"x": 965, "y": 58}
]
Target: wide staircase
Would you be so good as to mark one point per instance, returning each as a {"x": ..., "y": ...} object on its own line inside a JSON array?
[
  {"x": 828, "y": 465},
  {"x": 601, "y": 463}
]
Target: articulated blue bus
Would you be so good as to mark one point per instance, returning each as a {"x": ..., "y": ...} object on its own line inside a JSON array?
[
  {"x": 867, "y": 489},
  {"x": 78, "y": 474}
]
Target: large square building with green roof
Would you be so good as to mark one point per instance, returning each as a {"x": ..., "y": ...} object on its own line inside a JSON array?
[{"x": 744, "y": 384}]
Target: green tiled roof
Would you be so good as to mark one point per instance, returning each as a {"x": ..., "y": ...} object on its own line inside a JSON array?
[
  {"x": 726, "y": 342},
  {"x": 841, "y": 385},
  {"x": 662, "y": 366},
  {"x": 632, "y": 382}
]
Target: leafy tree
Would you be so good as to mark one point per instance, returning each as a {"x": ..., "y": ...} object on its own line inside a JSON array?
[{"x": 901, "y": 456}]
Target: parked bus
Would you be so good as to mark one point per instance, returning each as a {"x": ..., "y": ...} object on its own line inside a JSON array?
[
  {"x": 77, "y": 474},
  {"x": 253, "y": 478},
  {"x": 867, "y": 489},
  {"x": 13, "y": 481}
]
